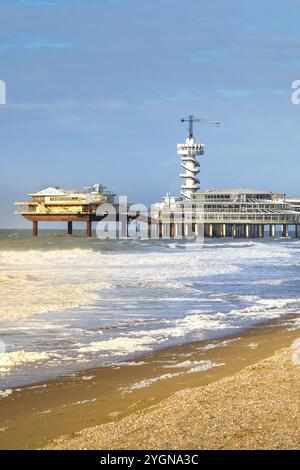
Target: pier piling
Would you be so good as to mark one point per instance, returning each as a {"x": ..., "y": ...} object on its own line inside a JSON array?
[
  {"x": 272, "y": 231},
  {"x": 285, "y": 230},
  {"x": 70, "y": 228},
  {"x": 89, "y": 229},
  {"x": 35, "y": 228}
]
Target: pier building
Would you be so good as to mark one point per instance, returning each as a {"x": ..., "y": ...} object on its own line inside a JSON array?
[{"x": 62, "y": 205}]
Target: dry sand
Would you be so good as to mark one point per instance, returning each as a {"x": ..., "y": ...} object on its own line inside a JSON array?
[{"x": 257, "y": 408}]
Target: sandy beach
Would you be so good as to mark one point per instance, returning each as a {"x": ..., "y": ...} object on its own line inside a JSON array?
[
  {"x": 241, "y": 391},
  {"x": 257, "y": 408}
]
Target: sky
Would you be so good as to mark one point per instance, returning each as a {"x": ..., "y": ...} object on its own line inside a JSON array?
[{"x": 95, "y": 90}]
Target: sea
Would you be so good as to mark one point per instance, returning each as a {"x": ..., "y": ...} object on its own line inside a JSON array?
[{"x": 71, "y": 304}]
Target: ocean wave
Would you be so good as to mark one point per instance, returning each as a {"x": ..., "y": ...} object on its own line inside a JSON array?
[
  {"x": 120, "y": 345},
  {"x": 38, "y": 281},
  {"x": 4, "y": 394},
  {"x": 14, "y": 359},
  {"x": 197, "y": 326},
  {"x": 33, "y": 297},
  {"x": 191, "y": 366}
]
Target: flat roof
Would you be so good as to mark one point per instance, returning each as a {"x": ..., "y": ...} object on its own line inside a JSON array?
[{"x": 233, "y": 191}]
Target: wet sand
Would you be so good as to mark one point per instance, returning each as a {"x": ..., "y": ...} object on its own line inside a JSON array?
[
  {"x": 216, "y": 405},
  {"x": 257, "y": 408}
]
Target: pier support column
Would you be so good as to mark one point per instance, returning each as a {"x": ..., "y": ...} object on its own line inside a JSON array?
[
  {"x": 172, "y": 230},
  {"x": 234, "y": 230},
  {"x": 35, "y": 228},
  {"x": 261, "y": 231},
  {"x": 210, "y": 230},
  {"x": 124, "y": 226},
  {"x": 187, "y": 230},
  {"x": 149, "y": 229},
  {"x": 89, "y": 229},
  {"x": 247, "y": 231},
  {"x": 285, "y": 230},
  {"x": 272, "y": 231},
  {"x": 70, "y": 228},
  {"x": 160, "y": 229},
  {"x": 166, "y": 230},
  {"x": 137, "y": 229},
  {"x": 297, "y": 231},
  {"x": 223, "y": 230},
  {"x": 199, "y": 230}
]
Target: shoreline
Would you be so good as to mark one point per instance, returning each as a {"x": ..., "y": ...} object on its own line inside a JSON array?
[
  {"x": 254, "y": 409},
  {"x": 34, "y": 416}
]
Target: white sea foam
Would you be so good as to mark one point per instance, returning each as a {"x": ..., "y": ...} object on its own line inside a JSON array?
[
  {"x": 36, "y": 281},
  {"x": 121, "y": 345},
  {"x": 266, "y": 308},
  {"x": 147, "y": 382},
  {"x": 204, "y": 366},
  {"x": 5, "y": 393},
  {"x": 218, "y": 344},
  {"x": 128, "y": 364},
  {"x": 196, "y": 324},
  {"x": 14, "y": 359},
  {"x": 83, "y": 402},
  {"x": 192, "y": 366},
  {"x": 295, "y": 325}
]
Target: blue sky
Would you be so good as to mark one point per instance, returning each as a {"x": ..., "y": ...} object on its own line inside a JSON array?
[{"x": 96, "y": 90}]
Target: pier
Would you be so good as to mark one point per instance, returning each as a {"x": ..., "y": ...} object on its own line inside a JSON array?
[{"x": 234, "y": 213}]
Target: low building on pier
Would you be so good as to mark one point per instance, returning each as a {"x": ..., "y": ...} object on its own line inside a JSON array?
[
  {"x": 63, "y": 205},
  {"x": 230, "y": 212}
]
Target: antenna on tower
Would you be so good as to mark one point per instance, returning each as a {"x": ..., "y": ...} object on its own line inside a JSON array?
[{"x": 189, "y": 152}]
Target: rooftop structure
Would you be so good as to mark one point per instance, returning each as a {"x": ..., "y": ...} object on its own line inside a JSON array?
[{"x": 60, "y": 202}]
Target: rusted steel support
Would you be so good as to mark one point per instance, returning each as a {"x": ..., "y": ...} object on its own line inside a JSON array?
[
  {"x": 89, "y": 229},
  {"x": 35, "y": 228},
  {"x": 70, "y": 228}
]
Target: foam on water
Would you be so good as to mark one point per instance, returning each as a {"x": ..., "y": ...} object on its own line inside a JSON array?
[
  {"x": 5, "y": 393},
  {"x": 191, "y": 366},
  {"x": 14, "y": 359}
]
